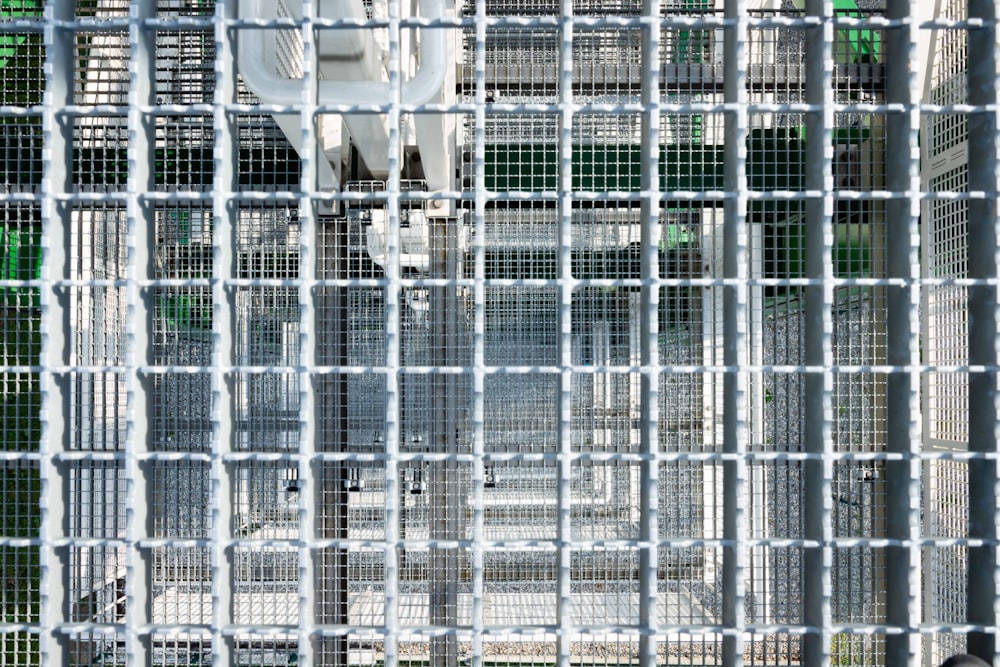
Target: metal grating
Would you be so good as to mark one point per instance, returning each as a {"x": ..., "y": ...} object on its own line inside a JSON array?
[
  {"x": 666, "y": 336},
  {"x": 946, "y": 396}
]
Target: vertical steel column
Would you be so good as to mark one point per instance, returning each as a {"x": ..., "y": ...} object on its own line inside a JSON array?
[
  {"x": 564, "y": 531},
  {"x": 874, "y": 178},
  {"x": 225, "y": 156},
  {"x": 330, "y": 477},
  {"x": 479, "y": 336},
  {"x": 903, "y": 423},
  {"x": 818, "y": 353},
  {"x": 445, "y": 485},
  {"x": 393, "y": 344},
  {"x": 734, "y": 355},
  {"x": 925, "y": 78},
  {"x": 447, "y": 400},
  {"x": 309, "y": 156},
  {"x": 649, "y": 332},
  {"x": 758, "y": 520},
  {"x": 331, "y": 403},
  {"x": 141, "y": 240},
  {"x": 983, "y": 259},
  {"x": 54, "y": 328}
]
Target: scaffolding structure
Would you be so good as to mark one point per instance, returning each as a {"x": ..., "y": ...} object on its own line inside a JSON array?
[{"x": 538, "y": 332}]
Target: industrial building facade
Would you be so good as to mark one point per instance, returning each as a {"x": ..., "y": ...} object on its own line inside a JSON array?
[{"x": 544, "y": 332}]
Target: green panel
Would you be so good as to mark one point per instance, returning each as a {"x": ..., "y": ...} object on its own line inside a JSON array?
[
  {"x": 187, "y": 312},
  {"x": 854, "y": 134},
  {"x": 21, "y": 59},
  {"x": 21, "y": 163},
  {"x": 21, "y": 259},
  {"x": 9, "y": 43},
  {"x": 851, "y": 250},
  {"x": 774, "y": 162},
  {"x": 8, "y": 47},
  {"x": 20, "y": 398},
  {"x": 21, "y": 153},
  {"x": 863, "y": 45}
]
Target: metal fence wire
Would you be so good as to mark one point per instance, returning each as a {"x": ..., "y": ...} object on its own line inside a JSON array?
[{"x": 548, "y": 332}]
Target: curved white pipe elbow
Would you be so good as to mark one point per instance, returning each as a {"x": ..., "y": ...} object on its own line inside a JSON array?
[{"x": 271, "y": 88}]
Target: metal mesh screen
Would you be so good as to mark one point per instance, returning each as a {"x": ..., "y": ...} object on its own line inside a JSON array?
[
  {"x": 485, "y": 332},
  {"x": 946, "y": 395}
]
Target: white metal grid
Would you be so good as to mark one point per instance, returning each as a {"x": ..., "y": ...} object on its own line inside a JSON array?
[
  {"x": 946, "y": 330},
  {"x": 646, "y": 383}
]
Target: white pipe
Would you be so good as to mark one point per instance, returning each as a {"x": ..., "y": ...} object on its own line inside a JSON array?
[
  {"x": 272, "y": 88},
  {"x": 256, "y": 51}
]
